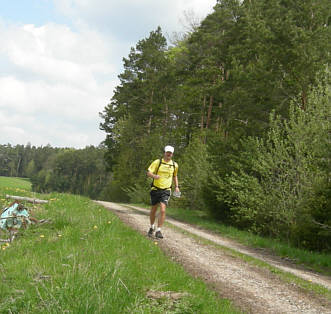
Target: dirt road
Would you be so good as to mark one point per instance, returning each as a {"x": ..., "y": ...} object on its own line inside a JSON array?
[{"x": 251, "y": 288}]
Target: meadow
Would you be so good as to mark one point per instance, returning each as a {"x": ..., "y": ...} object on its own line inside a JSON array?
[{"x": 85, "y": 260}]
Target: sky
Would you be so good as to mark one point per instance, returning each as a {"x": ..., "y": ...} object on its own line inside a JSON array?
[{"x": 59, "y": 62}]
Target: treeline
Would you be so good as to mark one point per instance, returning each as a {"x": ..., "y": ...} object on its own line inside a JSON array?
[
  {"x": 245, "y": 100},
  {"x": 79, "y": 171},
  {"x": 24, "y": 160}
]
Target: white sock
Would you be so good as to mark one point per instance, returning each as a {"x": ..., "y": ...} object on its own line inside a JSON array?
[
  {"x": 158, "y": 229},
  {"x": 153, "y": 227}
]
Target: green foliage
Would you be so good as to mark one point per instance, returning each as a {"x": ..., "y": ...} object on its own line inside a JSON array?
[
  {"x": 17, "y": 160},
  {"x": 77, "y": 171},
  {"x": 193, "y": 173},
  {"x": 113, "y": 191},
  {"x": 138, "y": 194},
  {"x": 274, "y": 180},
  {"x": 314, "y": 228}
]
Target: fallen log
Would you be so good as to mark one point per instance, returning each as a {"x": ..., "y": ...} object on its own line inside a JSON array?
[{"x": 28, "y": 199}]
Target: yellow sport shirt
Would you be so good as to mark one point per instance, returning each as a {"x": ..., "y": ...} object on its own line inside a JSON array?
[{"x": 166, "y": 173}]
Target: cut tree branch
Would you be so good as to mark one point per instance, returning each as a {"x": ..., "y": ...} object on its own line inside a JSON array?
[{"x": 28, "y": 199}]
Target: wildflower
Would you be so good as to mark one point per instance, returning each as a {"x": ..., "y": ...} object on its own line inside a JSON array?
[
  {"x": 95, "y": 227},
  {"x": 42, "y": 236},
  {"x": 155, "y": 242},
  {"x": 109, "y": 222},
  {"x": 59, "y": 235}
]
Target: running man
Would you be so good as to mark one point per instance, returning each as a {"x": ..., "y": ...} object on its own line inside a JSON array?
[{"x": 163, "y": 172}]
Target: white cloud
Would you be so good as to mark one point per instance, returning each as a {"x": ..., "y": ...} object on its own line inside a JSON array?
[
  {"x": 57, "y": 133},
  {"x": 54, "y": 52},
  {"x": 58, "y": 100},
  {"x": 55, "y": 79},
  {"x": 131, "y": 19},
  {"x": 63, "y": 81}
]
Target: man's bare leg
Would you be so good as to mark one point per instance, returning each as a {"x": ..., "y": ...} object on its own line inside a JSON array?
[
  {"x": 162, "y": 215},
  {"x": 152, "y": 214}
]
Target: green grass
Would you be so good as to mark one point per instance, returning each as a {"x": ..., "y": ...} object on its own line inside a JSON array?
[
  {"x": 14, "y": 183},
  {"x": 313, "y": 260},
  {"x": 87, "y": 261}
]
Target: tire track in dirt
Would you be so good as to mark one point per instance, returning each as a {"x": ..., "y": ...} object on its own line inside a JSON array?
[{"x": 253, "y": 289}]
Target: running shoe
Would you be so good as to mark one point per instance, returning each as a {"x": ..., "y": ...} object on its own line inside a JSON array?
[
  {"x": 158, "y": 235},
  {"x": 150, "y": 232}
]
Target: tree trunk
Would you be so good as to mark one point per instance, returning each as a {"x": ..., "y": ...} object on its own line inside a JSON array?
[
  {"x": 149, "y": 124},
  {"x": 203, "y": 112},
  {"x": 218, "y": 122},
  {"x": 166, "y": 114},
  {"x": 18, "y": 167},
  {"x": 210, "y": 107}
]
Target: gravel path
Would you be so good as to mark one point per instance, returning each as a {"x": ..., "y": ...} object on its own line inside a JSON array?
[{"x": 253, "y": 289}]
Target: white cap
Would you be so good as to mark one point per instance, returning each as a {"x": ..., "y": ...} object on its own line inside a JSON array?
[{"x": 169, "y": 148}]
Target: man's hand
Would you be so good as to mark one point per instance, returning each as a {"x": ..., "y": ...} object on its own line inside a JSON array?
[
  {"x": 176, "y": 192},
  {"x": 152, "y": 175}
]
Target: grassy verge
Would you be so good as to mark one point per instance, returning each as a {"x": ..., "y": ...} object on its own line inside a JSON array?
[
  {"x": 315, "y": 261},
  {"x": 87, "y": 261}
]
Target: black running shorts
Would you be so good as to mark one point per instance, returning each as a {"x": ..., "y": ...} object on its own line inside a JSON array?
[{"x": 160, "y": 196}]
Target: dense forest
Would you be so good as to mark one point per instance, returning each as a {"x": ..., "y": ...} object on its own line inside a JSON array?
[
  {"x": 244, "y": 97},
  {"x": 245, "y": 100},
  {"x": 79, "y": 171}
]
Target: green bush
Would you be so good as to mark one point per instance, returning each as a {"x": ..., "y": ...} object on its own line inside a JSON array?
[
  {"x": 272, "y": 188},
  {"x": 114, "y": 192},
  {"x": 194, "y": 168},
  {"x": 139, "y": 193},
  {"x": 314, "y": 228}
]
